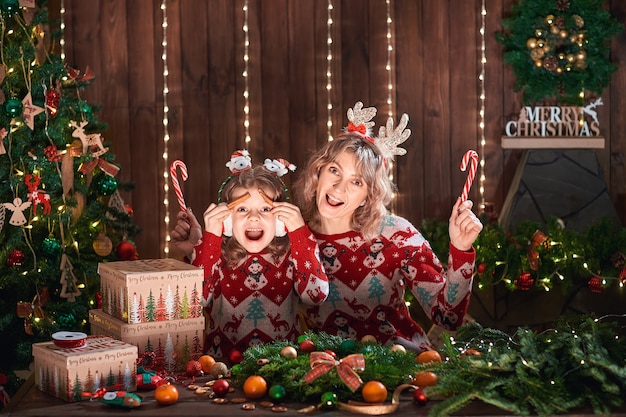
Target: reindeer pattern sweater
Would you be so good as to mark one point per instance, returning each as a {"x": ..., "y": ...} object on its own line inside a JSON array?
[
  {"x": 257, "y": 301},
  {"x": 368, "y": 279}
]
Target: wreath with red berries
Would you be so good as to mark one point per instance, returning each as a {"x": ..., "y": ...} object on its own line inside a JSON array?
[{"x": 559, "y": 49}]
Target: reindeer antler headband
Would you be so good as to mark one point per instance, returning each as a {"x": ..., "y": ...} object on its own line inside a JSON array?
[{"x": 388, "y": 139}]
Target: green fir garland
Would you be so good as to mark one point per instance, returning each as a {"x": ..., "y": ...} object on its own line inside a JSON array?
[{"x": 559, "y": 49}]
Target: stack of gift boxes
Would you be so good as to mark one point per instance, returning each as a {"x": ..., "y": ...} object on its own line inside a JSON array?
[{"x": 154, "y": 304}]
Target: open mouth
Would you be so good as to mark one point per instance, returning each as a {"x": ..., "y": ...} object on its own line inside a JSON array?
[
  {"x": 254, "y": 234},
  {"x": 333, "y": 201}
]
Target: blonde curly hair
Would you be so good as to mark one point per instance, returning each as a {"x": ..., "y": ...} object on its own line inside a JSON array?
[{"x": 370, "y": 164}]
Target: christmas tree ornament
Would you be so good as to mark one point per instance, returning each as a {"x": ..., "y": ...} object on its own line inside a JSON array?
[
  {"x": 10, "y": 6},
  {"x": 397, "y": 348},
  {"x": 17, "y": 207},
  {"x": 193, "y": 368},
  {"x": 329, "y": 401},
  {"x": 419, "y": 397},
  {"x": 368, "y": 338},
  {"x": 595, "y": 285},
  {"x": 126, "y": 251},
  {"x": 235, "y": 357},
  {"x": 52, "y": 102},
  {"x": 50, "y": 247},
  {"x": 13, "y": 107},
  {"x": 524, "y": 282},
  {"x": 69, "y": 287},
  {"x": 347, "y": 346},
  {"x": 102, "y": 245},
  {"x": 66, "y": 321},
  {"x": 15, "y": 258},
  {"x": 306, "y": 346},
  {"x": 288, "y": 352},
  {"x": 221, "y": 387},
  {"x": 105, "y": 185},
  {"x": 219, "y": 370},
  {"x": 29, "y": 111},
  {"x": 277, "y": 392}
]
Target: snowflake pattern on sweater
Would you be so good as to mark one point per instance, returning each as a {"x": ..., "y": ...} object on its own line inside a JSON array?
[
  {"x": 367, "y": 281},
  {"x": 256, "y": 302}
]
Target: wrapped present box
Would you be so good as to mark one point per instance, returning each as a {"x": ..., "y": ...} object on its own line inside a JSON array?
[
  {"x": 68, "y": 372},
  {"x": 151, "y": 290},
  {"x": 173, "y": 342}
]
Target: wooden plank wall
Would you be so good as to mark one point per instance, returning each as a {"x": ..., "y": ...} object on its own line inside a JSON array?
[{"x": 435, "y": 68}]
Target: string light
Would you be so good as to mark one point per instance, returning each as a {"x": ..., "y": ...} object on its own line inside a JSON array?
[
  {"x": 246, "y": 90},
  {"x": 62, "y": 27},
  {"x": 388, "y": 65},
  {"x": 481, "y": 125},
  {"x": 329, "y": 69},
  {"x": 166, "y": 135}
]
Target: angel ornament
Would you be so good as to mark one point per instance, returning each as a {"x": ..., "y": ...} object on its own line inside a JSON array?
[{"x": 17, "y": 207}]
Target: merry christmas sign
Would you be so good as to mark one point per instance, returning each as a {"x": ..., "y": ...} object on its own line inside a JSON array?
[{"x": 555, "y": 127}]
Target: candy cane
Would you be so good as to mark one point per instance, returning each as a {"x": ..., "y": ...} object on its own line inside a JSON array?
[
  {"x": 471, "y": 173},
  {"x": 184, "y": 175}
]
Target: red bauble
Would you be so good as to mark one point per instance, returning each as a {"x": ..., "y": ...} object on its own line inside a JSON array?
[
  {"x": 419, "y": 397},
  {"x": 481, "y": 268},
  {"x": 193, "y": 368},
  {"x": 595, "y": 285},
  {"x": 129, "y": 210},
  {"x": 524, "y": 282},
  {"x": 221, "y": 387},
  {"x": 307, "y": 346},
  {"x": 235, "y": 357},
  {"x": 15, "y": 258},
  {"x": 126, "y": 251},
  {"x": 52, "y": 102},
  {"x": 622, "y": 276}
]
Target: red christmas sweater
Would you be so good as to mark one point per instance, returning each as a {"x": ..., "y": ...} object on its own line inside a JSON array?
[
  {"x": 257, "y": 301},
  {"x": 368, "y": 280}
]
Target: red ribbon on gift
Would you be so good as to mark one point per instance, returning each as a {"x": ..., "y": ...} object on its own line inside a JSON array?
[
  {"x": 347, "y": 368},
  {"x": 106, "y": 166}
]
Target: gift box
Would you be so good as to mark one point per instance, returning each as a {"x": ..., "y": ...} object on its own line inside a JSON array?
[
  {"x": 102, "y": 362},
  {"x": 173, "y": 342},
  {"x": 151, "y": 290}
]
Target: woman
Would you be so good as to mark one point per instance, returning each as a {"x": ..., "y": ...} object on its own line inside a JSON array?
[{"x": 371, "y": 256}]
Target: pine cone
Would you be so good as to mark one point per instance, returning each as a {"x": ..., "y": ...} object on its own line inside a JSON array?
[
  {"x": 562, "y": 5},
  {"x": 560, "y": 22}
]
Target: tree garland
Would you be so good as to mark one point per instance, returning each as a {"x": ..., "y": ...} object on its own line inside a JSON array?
[{"x": 559, "y": 49}]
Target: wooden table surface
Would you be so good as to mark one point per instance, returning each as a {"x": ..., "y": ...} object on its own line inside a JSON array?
[{"x": 29, "y": 401}]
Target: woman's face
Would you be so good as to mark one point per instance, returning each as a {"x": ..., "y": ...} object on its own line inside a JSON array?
[
  {"x": 254, "y": 226},
  {"x": 340, "y": 189}
]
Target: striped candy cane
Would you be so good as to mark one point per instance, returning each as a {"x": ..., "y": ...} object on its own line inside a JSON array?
[
  {"x": 473, "y": 155},
  {"x": 183, "y": 173}
]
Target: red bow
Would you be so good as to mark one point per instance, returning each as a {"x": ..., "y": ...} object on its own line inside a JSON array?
[
  {"x": 360, "y": 128},
  {"x": 322, "y": 363},
  {"x": 106, "y": 166}
]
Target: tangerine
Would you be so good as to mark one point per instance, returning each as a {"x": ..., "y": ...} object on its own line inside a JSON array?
[
  {"x": 166, "y": 394},
  {"x": 425, "y": 379},
  {"x": 255, "y": 387},
  {"x": 374, "y": 392},
  {"x": 428, "y": 356},
  {"x": 207, "y": 362}
]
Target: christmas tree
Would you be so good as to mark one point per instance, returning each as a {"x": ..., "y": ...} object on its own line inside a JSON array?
[{"x": 60, "y": 209}]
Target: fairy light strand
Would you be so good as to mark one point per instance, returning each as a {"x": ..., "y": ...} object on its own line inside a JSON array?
[
  {"x": 388, "y": 65},
  {"x": 481, "y": 125},
  {"x": 246, "y": 90},
  {"x": 166, "y": 135},
  {"x": 62, "y": 27},
  {"x": 329, "y": 69}
]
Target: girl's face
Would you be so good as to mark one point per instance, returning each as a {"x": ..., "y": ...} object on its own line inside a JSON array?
[
  {"x": 254, "y": 226},
  {"x": 340, "y": 191}
]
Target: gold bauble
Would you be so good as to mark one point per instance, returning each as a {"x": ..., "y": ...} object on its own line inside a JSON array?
[
  {"x": 570, "y": 58},
  {"x": 581, "y": 55},
  {"x": 539, "y": 33},
  {"x": 538, "y": 63},
  {"x": 563, "y": 34},
  {"x": 102, "y": 245},
  {"x": 554, "y": 29},
  {"x": 550, "y": 19},
  {"x": 531, "y": 43},
  {"x": 536, "y": 54}
]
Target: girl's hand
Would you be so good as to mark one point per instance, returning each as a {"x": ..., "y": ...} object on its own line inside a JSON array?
[
  {"x": 187, "y": 232},
  {"x": 288, "y": 214},
  {"x": 463, "y": 226},
  {"x": 214, "y": 217}
]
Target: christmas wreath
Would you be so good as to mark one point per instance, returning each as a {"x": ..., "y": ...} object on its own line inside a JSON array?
[{"x": 559, "y": 49}]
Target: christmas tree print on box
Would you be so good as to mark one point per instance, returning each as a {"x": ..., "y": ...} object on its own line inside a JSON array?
[
  {"x": 173, "y": 342},
  {"x": 151, "y": 290},
  {"x": 103, "y": 362}
]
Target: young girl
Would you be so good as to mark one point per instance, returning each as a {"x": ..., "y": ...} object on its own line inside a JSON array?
[
  {"x": 371, "y": 256},
  {"x": 256, "y": 272}
]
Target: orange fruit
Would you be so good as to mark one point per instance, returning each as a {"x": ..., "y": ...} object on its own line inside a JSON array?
[
  {"x": 428, "y": 356},
  {"x": 425, "y": 379},
  {"x": 255, "y": 387},
  {"x": 166, "y": 394},
  {"x": 374, "y": 392},
  {"x": 207, "y": 362}
]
